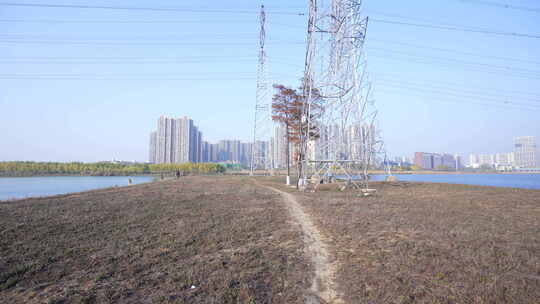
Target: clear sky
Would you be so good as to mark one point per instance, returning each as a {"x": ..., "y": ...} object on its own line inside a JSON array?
[{"x": 89, "y": 84}]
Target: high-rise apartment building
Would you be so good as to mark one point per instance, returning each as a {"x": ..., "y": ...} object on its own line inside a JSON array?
[
  {"x": 152, "y": 151},
  {"x": 525, "y": 152},
  {"x": 264, "y": 149},
  {"x": 245, "y": 154},
  {"x": 278, "y": 147},
  {"x": 176, "y": 141},
  {"x": 357, "y": 139},
  {"x": 163, "y": 140},
  {"x": 479, "y": 160},
  {"x": 504, "y": 159},
  {"x": 423, "y": 160},
  {"x": 449, "y": 161}
]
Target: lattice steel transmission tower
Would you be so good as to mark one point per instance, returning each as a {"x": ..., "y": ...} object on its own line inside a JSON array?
[
  {"x": 261, "y": 156},
  {"x": 342, "y": 135}
]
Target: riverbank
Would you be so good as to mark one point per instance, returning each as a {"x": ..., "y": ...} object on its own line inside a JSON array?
[
  {"x": 451, "y": 172},
  {"x": 227, "y": 239}
]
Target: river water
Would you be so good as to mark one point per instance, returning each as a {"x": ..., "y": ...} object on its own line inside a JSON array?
[
  {"x": 22, "y": 187},
  {"x": 526, "y": 181}
]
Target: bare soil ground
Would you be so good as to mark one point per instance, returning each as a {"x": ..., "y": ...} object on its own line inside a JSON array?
[
  {"x": 431, "y": 243},
  {"x": 232, "y": 241}
]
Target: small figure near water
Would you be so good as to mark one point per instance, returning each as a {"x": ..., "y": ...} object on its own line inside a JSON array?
[{"x": 130, "y": 181}]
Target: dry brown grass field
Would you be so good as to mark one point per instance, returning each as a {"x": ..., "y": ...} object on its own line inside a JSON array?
[
  {"x": 431, "y": 243},
  {"x": 151, "y": 243},
  {"x": 235, "y": 241}
]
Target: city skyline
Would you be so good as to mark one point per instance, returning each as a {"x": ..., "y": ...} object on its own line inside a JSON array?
[
  {"x": 179, "y": 140},
  {"x": 525, "y": 155},
  {"x": 94, "y": 96}
]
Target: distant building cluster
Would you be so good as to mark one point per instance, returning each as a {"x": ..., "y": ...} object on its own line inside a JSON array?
[
  {"x": 227, "y": 151},
  {"x": 437, "y": 161},
  {"x": 353, "y": 142},
  {"x": 402, "y": 161},
  {"x": 524, "y": 156},
  {"x": 179, "y": 140}
]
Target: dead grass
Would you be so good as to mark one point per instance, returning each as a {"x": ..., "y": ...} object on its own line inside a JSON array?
[
  {"x": 151, "y": 243},
  {"x": 432, "y": 243}
]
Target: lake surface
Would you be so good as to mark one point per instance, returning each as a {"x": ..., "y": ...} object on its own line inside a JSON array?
[
  {"x": 22, "y": 187},
  {"x": 526, "y": 181}
]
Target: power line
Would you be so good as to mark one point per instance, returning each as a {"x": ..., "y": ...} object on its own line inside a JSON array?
[
  {"x": 22, "y": 36},
  {"x": 452, "y": 27},
  {"x": 97, "y": 77},
  {"x": 58, "y": 21},
  {"x": 129, "y": 76},
  {"x": 458, "y": 93},
  {"x": 116, "y": 74},
  {"x": 452, "y": 87},
  {"x": 457, "y": 84},
  {"x": 453, "y": 84},
  {"x": 454, "y": 51},
  {"x": 506, "y": 68},
  {"x": 141, "y": 60},
  {"x": 503, "y": 5},
  {"x": 475, "y": 69},
  {"x": 129, "y": 58},
  {"x": 442, "y": 98},
  {"x": 455, "y": 28},
  {"x": 128, "y": 62},
  {"x": 117, "y": 21},
  {"x": 127, "y": 79},
  {"x": 60, "y": 42},
  {"x": 155, "y": 9}
]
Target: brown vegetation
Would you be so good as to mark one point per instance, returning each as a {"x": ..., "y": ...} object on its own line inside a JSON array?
[
  {"x": 151, "y": 243},
  {"x": 432, "y": 243},
  {"x": 234, "y": 242}
]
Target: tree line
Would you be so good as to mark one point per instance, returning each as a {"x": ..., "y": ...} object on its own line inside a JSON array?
[{"x": 18, "y": 168}]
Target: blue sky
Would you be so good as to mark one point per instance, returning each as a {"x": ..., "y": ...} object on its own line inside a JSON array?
[{"x": 113, "y": 75}]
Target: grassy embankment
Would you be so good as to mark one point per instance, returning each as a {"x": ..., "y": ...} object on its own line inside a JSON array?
[
  {"x": 410, "y": 243},
  {"x": 432, "y": 243},
  {"x": 150, "y": 243}
]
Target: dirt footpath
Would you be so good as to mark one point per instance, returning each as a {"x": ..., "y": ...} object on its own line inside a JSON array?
[{"x": 323, "y": 285}]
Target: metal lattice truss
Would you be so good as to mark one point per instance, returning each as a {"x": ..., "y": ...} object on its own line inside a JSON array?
[
  {"x": 261, "y": 158},
  {"x": 345, "y": 137}
]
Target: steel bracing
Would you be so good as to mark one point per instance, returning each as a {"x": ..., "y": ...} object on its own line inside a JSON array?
[
  {"x": 261, "y": 158},
  {"x": 342, "y": 115}
]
